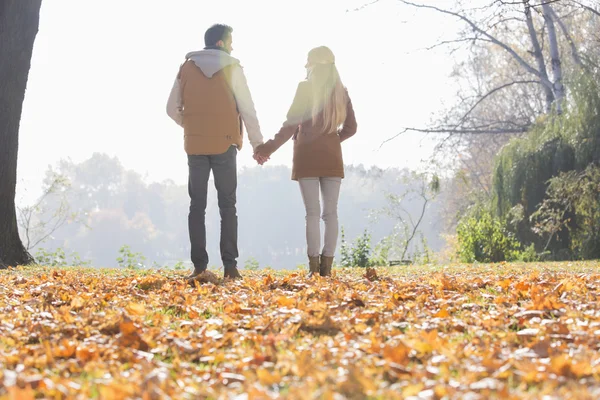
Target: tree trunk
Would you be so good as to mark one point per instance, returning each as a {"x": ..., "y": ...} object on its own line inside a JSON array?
[
  {"x": 557, "y": 76},
  {"x": 19, "y": 20},
  {"x": 569, "y": 38},
  {"x": 539, "y": 56}
]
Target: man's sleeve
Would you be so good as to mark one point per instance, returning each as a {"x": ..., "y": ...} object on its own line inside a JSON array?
[
  {"x": 174, "y": 103},
  {"x": 245, "y": 106}
]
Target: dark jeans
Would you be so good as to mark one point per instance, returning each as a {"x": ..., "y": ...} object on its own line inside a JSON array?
[{"x": 224, "y": 171}]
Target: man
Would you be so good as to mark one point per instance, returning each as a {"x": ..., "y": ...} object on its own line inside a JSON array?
[{"x": 209, "y": 99}]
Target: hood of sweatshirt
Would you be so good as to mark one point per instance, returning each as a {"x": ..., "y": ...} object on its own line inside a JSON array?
[{"x": 211, "y": 61}]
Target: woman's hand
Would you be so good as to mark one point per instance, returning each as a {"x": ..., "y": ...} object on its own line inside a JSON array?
[{"x": 260, "y": 156}]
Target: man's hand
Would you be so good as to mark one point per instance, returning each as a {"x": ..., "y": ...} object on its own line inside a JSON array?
[{"x": 260, "y": 157}]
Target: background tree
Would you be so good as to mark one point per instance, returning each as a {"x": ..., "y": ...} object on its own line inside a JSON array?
[
  {"x": 37, "y": 223},
  {"x": 19, "y": 20},
  {"x": 408, "y": 224},
  {"x": 515, "y": 64},
  {"x": 114, "y": 206}
]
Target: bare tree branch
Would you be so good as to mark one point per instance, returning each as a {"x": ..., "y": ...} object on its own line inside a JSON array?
[
  {"x": 504, "y": 20},
  {"x": 365, "y": 5},
  {"x": 446, "y": 42},
  {"x": 511, "y": 51},
  {"x": 454, "y": 131},
  {"x": 488, "y": 94},
  {"x": 514, "y": 3},
  {"x": 416, "y": 226},
  {"x": 475, "y": 173},
  {"x": 36, "y": 228},
  {"x": 61, "y": 220},
  {"x": 27, "y": 214},
  {"x": 586, "y": 7}
]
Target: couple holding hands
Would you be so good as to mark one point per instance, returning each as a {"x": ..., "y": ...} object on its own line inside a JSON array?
[{"x": 210, "y": 99}]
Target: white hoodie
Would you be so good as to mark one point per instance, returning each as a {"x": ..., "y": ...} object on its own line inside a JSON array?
[{"x": 211, "y": 61}]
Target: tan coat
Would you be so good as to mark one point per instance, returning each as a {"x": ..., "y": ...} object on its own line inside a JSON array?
[{"x": 316, "y": 153}]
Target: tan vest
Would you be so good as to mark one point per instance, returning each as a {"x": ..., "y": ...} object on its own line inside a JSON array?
[{"x": 211, "y": 120}]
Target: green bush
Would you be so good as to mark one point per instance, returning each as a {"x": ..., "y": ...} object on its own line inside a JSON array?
[
  {"x": 361, "y": 254},
  {"x": 571, "y": 213},
  {"x": 58, "y": 258},
  {"x": 423, "y": 254},
  {"x": 529, "y": 254},
  {"x": 556, "y": 146},
  {"x": 251, "y": 264},
  {"x": 380, "y": 255},
  {"x": 357, "y": 254},
  {"x": 483, "y": 237},
  {"x": 129, "y": 259}
]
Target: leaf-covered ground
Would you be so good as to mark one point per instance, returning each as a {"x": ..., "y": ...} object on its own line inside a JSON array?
[{"x": 461, "y": 332}]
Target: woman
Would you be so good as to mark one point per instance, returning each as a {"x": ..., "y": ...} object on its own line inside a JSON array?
[{"x": 320, "y": 118}]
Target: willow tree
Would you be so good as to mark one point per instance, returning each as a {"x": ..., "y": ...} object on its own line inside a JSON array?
[{"x": 516, "y": 64}]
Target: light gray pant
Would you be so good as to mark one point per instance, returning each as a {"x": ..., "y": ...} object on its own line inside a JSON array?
[{"x": 330, "y": 190}]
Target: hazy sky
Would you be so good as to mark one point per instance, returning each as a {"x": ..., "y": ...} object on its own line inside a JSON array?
[{"x": 102, "y": 70}]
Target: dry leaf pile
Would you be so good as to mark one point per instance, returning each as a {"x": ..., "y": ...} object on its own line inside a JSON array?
[{"x": 463, "y": 332}]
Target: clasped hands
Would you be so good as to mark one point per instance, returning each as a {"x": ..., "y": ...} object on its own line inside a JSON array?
[{"x": 260, "y": 156}]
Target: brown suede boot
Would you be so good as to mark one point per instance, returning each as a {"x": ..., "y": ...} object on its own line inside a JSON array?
[
  {"x": 314, "y": 266},
  {"x": 197, "y": 271},
  {"x": 326, "y": 264}
]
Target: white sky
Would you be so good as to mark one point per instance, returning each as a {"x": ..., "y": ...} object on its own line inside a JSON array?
[{"x": 102, "y": 70}]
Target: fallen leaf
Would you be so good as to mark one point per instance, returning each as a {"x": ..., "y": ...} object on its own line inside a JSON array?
[
  {"x": 443, "y": 313},
  {"x": 283, "y": 301},
  {"x": 268, "y": 378},
  {"x": 371, "y": 274},
  {"x": 397, "y": 353},
  {"x": 136, "y": 309}
]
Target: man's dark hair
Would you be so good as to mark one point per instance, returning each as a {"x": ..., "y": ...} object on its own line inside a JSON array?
[{"x": 215, "y": 33}]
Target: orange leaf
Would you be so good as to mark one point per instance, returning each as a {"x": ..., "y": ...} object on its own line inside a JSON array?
[
  {"x": 523, "y": 287},
  {"x": 397, "y": 354},
  {"x": 66, "y": 349},
  {"x": 16, "y": 393},
  {"x": 268, "y": 378},
  {"x": 303, "y": 364},
  {"x": 268, "y": 280},
  {"x": 412, "y": 390},
  {"x": 116, "y": 391},
  {"x": 358, "y": 375},
  {"x": 127, "y": 327},
  {"x": 77, "y": 303},
  {"x": 423, "y": 347},
  {"x": 371, "y": 274},
  {"x": 561, "y": 365},
  {"x": 285, "y": 301},
  {"x": 443, "y": 313},
  {"x": 85, "y": 353},
  {"x": 360, "y": 328},
  {"x": 504, "y": 284},
  {"x": 136, "y": 309},
  {"x": 581, "y": 369}
]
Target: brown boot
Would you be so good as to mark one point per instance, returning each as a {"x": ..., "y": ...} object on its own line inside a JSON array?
[
  {"x": 326, "y": 264},
  {"x": 314, "y": 266},
  {"x": 197, "y": 271}
]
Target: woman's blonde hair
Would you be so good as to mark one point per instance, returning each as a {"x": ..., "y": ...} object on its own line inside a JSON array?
[{"x": 328, "y": 92}]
